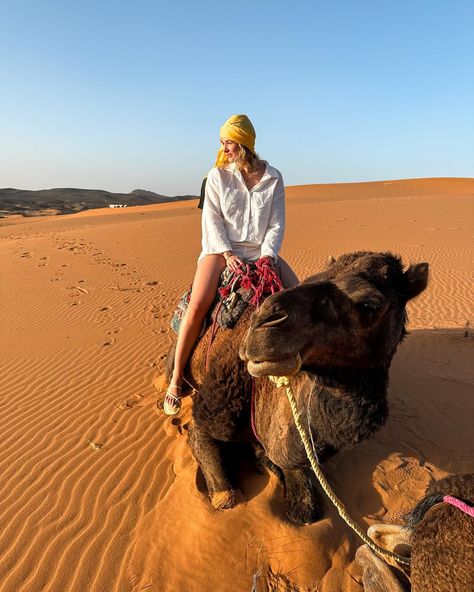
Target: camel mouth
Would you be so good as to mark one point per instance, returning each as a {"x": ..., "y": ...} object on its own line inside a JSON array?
[{"x": 283, "y": 367}]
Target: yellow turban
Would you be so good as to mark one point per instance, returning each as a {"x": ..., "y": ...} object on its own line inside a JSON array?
[{"x": 237, "y": 128}]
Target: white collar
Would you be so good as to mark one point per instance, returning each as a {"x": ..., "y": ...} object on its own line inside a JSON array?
[{"x": 270, "y": 172}]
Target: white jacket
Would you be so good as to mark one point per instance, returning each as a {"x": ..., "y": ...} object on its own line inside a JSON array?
[{"x": 249, "y": 223}]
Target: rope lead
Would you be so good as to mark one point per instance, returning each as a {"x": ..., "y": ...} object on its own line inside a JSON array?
[{"x": 284, "y": 381}]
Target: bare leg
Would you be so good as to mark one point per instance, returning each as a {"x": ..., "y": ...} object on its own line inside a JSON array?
[
  {"x": 202, "y": 295},
  {"x": 289, "y": 279}
]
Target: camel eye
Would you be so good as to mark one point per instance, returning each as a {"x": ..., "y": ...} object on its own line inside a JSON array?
[{"x": 369, "y": 307}]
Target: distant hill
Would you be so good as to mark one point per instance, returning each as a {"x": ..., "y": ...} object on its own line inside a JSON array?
[{"x": 70, "y": 200}]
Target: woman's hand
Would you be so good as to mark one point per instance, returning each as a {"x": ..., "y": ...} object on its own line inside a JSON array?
[
  {"x": 270, "y": 261},
  {"x": 233, "y": 262}
]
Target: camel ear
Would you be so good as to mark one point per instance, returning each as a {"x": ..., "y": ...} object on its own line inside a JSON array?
[
  {"x": 330, "y": 261},
  {"x": 416, "y": 280}
]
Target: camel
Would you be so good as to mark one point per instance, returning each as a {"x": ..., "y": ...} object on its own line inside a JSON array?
[
  {"x": 335, "y": 334},
  {"x": 439, "y": 538}
]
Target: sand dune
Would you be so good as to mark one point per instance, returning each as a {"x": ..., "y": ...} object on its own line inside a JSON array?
[
  {"x": 100, "y": 493},
  {"x": 51, "y": 202}
]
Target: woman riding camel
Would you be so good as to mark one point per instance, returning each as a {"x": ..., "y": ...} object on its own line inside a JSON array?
[{"x": 243, "y": 220}]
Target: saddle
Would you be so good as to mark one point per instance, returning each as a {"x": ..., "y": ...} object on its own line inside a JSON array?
[{"x": 248, "y": 286}]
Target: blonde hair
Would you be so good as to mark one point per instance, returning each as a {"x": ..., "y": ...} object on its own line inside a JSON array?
[{"x": 248, "y": 160}]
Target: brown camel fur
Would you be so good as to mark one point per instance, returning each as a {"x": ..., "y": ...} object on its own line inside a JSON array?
[
  {"x": 336, "y": 333},
  {"x": 439, "y": 538}
]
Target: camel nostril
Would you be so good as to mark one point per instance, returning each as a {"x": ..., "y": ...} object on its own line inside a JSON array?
[{"x": 273, "y": 320}]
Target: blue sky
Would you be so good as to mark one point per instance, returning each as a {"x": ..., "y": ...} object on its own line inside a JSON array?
[{"x": 121, "y": 95}]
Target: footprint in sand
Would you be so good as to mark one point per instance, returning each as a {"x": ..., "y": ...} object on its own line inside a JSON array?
[
  {"x": 173, "y": 424},
  {"x": 130, "y": 402},
  {"x": 109, "y": 341},
  {"x": 159, "y": 331},
  {"x": 104, "y": 308},
  {"x": 178, "y": 423},
  {"x": 114, "y": 331}
]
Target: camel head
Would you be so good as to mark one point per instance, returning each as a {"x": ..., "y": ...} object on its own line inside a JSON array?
[{"x": 350, "y": 315}]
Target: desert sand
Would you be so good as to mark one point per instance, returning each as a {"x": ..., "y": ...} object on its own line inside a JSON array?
[{"x": 99, "y": 491}]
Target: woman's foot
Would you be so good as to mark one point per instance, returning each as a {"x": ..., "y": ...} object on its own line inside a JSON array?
[{"x": 172, "y": 403}]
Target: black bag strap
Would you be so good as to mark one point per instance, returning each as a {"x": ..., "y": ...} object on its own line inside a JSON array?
[{"x": 203, "y": 193}]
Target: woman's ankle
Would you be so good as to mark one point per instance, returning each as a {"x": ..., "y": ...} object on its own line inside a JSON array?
[{"x": 176, "y": 383}]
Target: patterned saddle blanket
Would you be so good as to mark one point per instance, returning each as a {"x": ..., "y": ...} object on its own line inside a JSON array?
[{"x": 237, "y": 290}]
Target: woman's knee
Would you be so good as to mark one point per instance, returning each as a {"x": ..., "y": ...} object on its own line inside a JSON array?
[
  {"x": 198, "y": 307},
  {"x": 205, "y": 285}
]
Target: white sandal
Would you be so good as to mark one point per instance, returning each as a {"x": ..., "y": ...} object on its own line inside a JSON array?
[{"x": 172, "y": 403}]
